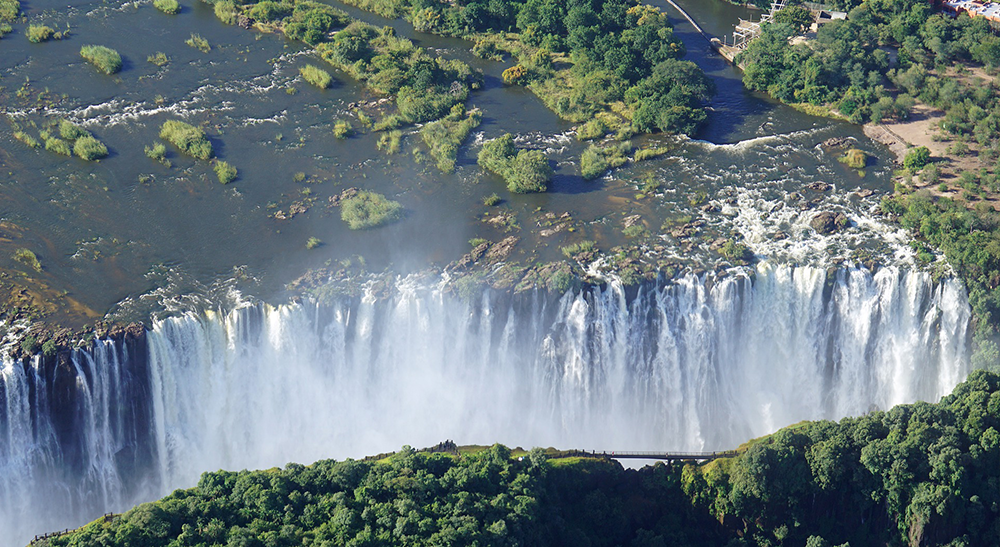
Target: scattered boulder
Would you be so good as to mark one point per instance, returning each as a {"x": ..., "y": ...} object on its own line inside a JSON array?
[
  {"x": 836, "y": 142},
  {"x": 819, "y": 186},
  {"x": 827, "y": 222}
]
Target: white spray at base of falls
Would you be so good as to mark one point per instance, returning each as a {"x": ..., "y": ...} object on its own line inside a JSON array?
[
  {"x": 700, "y": 363},
  {"x": 691, "y": 365}
]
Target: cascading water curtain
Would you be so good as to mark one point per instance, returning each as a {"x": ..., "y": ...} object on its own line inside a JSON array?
[{"x": 701, "y": 363}]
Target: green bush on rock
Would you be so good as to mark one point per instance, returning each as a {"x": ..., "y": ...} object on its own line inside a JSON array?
[
  {"x": 89, "y": 148},
  {"x": 523, "y": 170},
  {"x": 170, "y": 7}
]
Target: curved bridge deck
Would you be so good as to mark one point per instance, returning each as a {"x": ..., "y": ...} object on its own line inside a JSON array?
[{"x": 662, "y": 456}]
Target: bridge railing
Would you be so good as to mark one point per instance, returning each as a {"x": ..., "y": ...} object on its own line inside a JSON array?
[{"x": 659, "y": 455}]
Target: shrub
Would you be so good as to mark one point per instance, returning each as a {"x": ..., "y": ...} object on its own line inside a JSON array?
[
  {"x": 225, "y": 171},
  {"x": 28, "y": 258},
  {"x": 342, "y": 129},
  {"x": 70, "y": 131},
  {"x": 369, "y": 210},
  {"x": 156, "y": 152},
  {"x": 159, "y": 58},
  {"x": 105, "y": 59},
  {"x": 170, "y": 7},
  {"x": 491, "y": 200},
  {"x": 316, "y": 76},
  {"x": 515, "y": 75},
  {"x": 854, "y": 158},
  {"x": 199, "y": 43},
  {"x": 188, "y": 138},
  {"x": 5, "y": 28},
  {"x": 226, "y": 12},
  {"x": 313, "y": 242},
  {"x": 9, "y": 10},
  {"x": 917, "y": 158},
  {"x": 592, "y": 163},
  {"x": 58, "y": 146},
  {"x": 594, "y": 129},
  {"x": 735, "y": 251},
  {"x": 38, "y": 33},
  {"x": 89, "y": 148},
  {"x": 523, "y": 170},
  {"x": 390, "y": 142}
]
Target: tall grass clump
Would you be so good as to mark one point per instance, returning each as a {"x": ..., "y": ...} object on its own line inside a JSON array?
[
  {"x": 70, "y": 131},
  {"x": 159, "y": 58},
  {"x": 369, "y": 210},
  {"x": 523, "y": 170},
  {"x": 446, "y": 135},
  {"x": 89, "y": 148},
  {"x": 27, "y": 139},
  {"x": 196, "y": 41},
  {"x": 59, "y": 146},
  {"x": 225, "y": 171},
  {"x": 170, "y": 7},
  {"x": 39, "y": 33},
  {"x": 316, "y": 76},
  {"x": 188, "y": 138},
  {"x": 105, "y": 59},
  {"x": 597, "y": 159}
]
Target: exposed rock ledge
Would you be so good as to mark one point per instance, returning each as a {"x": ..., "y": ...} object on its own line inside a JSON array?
[{"x": 884, "y": 135}]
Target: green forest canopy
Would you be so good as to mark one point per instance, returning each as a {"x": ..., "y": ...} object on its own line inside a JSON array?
[{"x": 926, "y": 474}]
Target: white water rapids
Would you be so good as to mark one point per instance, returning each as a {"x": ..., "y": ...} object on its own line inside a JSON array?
[{"x": 700, "y": 364}]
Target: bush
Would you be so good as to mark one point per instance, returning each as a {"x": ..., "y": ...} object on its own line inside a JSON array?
[
  {"x": 58, "y": 146},
  {"x": 316, "y": 76},
  {"x": 390, "y": 142},
  {"x": 38, "y": 33},
  {"x": 159, "y": 58},
  {"x": 313, "y": 242},
  {"x": 199, "y": 43},
  {"x": 855, "y": 159},
  {"x": 70, "y": 131},
  {"x": 9, "y": 10},
  {"x": 515, "y": 75},
  {"x": 592, "y": 163},
  {"x": 594, "y": 129},
  {"x": 105, "y": 59},
  {"x": 156, "y": 152},
  {"x": 342, "y": 129},
  {"x": 649, "y": 153},
  {"x": 917, "y": 158},
  {"x": 170, "y": 7},
  {"x": 369, "y": 210},
  {"x": 28, "y": 258},
  {"x": 523, "y": 170},
  {"x": 225, "y": 171},
  {"x": 491, "y": 200},
  {"x": 188, "y": 138},
  {"x": 89, "y": 148},
  {"x": 226, "y": 11}
]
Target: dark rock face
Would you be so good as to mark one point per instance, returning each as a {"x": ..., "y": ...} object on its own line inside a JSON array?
[{"x": 827, "y": 223}]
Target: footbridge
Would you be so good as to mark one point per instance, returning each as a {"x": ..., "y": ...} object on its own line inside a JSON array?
[{"x": 662, "y": 456}]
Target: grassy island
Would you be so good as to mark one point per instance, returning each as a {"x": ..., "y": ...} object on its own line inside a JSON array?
[{"x": 612, "y": 60}]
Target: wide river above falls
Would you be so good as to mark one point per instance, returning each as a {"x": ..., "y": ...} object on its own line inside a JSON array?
[{"x": 130, "y": 235}]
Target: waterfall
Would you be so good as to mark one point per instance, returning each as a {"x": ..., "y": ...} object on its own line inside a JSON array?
[{"x": 699, "y": 363}]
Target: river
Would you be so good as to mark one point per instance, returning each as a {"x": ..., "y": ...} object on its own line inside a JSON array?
[{"x": 231, "y": 374}]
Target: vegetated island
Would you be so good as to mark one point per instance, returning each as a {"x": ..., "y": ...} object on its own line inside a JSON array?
[
  {"x": 920, "y": 474},
  {"x": 908, "y": 68},
  {"x": 613, "y": 66}
]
